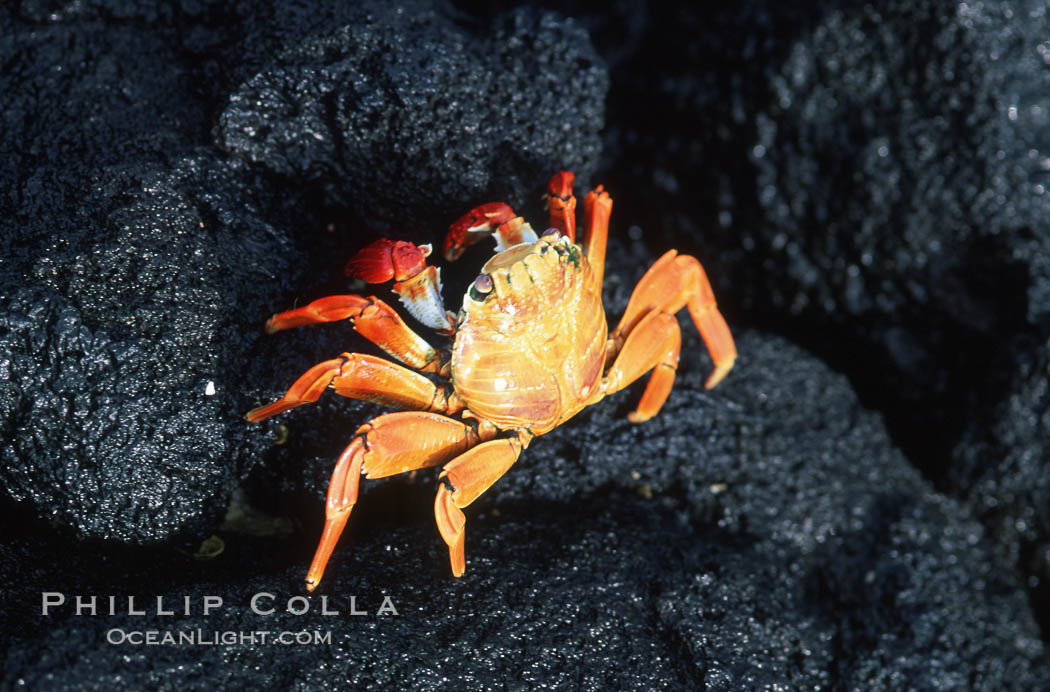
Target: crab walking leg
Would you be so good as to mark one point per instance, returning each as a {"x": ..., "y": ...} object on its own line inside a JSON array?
[
  {"x": 562, "y": 203},
  {"x": 654, "y": 344},
  {"x": 361, "y": 376},
  {"x": 462, "y": 481},
  {"x": 709, "y": 322},
  {"x": 673, "y": 282},
  {"x": 597, "y": 207},
  {"x": 372, "y": 319},
  {"x": 389, "y": 444}
]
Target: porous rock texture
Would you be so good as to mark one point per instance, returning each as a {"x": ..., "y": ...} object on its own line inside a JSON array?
[
  {"x": 871, "y": 180},
  {"x": 766, "y": 533},
  {"x": 140, "y": 260},
  {"x": 866, "y": 182}
]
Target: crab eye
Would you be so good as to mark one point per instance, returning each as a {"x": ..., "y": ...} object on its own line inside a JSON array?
[
  {"x": 552, "y": 233},
  {"x": 483, "y": 284}
]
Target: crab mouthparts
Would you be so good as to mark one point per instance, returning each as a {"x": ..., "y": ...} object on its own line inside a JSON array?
[{"x": 509, "y": 256}]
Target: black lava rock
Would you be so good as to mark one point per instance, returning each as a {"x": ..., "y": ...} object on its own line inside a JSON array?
[
  {"x": 866, "y": 181},
  {"x": 140, "y": 265},
  {"x": 763, "y": 533},
  {"x": 1000, "y": 469},
  {"x": 870, "y": 180},
  {"x": 128, "y": 254},
  {"x": 406, "y": 115}
]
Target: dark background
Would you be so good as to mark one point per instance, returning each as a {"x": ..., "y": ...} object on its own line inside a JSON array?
[{"x": 863, "y": 503}]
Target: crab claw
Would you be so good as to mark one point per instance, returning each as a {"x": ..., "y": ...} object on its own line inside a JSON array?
[
  {"x": 473, "y": 226},
  {"x": 418, "y": 285},
  {"x": 387, "y": 259}
]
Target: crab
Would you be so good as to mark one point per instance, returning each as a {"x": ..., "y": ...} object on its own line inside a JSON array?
[{"x": 530, "y": 349}]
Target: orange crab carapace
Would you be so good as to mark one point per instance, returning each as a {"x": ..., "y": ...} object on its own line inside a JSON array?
[{"x": 530, "y": 349}]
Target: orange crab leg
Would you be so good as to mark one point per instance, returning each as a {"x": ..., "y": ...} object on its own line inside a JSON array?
[
  {"x": 372, "y": 319},
  {"x": 597, "y": 207},
  {"x": 653, "y": 345},
  {"x": 562, "y": 203},
  {"x": 462, "y": 480},
  {"x": 673, "y": 282},
  {"x": 389, "y": 444},
  {"x": 361, "y": 376}
]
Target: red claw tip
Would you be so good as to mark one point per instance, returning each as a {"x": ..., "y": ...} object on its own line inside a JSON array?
[
  {"x": 486, "y": 218},
  {"x": 450, "y": 250}
]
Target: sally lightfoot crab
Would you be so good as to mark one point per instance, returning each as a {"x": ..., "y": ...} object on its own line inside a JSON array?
[{"x": 530, "y": 349}]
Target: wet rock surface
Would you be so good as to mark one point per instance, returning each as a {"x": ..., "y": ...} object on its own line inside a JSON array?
[
  {"x": 871, "y": 181},
  {"x": 766, "y": 532},
  {"x": 141, "y": 262},
  {"x": 404, "y": 111},
  {"x": 866, "y": 183}
]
